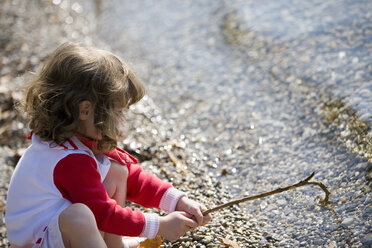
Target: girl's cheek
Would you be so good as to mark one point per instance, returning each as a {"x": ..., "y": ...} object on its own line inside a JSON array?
[{"x": 98, "y": 134}]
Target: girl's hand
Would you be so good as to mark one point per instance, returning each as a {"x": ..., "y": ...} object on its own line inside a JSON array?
[
  {"x": 175, "y": 225},
  {"x": 194, "y": 209}
]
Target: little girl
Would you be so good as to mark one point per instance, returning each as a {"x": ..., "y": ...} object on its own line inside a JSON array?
[{"x": 70, "y": 186}]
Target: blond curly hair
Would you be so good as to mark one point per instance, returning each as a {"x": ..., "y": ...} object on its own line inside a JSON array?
[{"x": 72, "y": 74}]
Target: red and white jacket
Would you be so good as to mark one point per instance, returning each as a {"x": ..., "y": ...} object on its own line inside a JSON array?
[{"x": 50, "y": 177}]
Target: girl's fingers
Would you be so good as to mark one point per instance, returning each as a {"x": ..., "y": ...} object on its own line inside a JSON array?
[
  {"x": 190, "y": 216},
  {"x": 203, "y": 207},
  {"x": 206, "y": 219},
  {"x": 199, "y": 216},
  {"x": 189, "y": 221}
]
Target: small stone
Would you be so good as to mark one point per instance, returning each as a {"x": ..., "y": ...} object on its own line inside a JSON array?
[
  {"x": 341, "y": 55},
  {"x": 367, "y": 240},
  {"x": 318, "y": 242},
  {"x": 197, "y": 237},
  {"x": 283, "y": 242},
  {"x": 281, "y": 202},
  {"x": 331, "y": 244},
  {"x": 263, "y": 205},
  {"x": 207, "y": 239},
  {"x": 348, "y": 221}
]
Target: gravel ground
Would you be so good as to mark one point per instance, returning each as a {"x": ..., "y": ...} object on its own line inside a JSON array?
[
  {"x": 243, "y": 111},
  {"x": 27, "y": 36},
  {"x": 267, "y": 109}
]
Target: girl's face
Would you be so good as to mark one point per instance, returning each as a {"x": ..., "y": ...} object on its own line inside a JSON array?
[{"x": 86, "y": 123}]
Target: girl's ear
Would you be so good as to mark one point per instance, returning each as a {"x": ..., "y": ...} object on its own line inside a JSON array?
[{"x": 85, "y": 109}]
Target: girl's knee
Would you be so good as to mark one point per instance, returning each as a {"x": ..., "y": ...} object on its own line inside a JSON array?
[
  {"x": 78, "y": 227},
  {"x": 120, "y": 170},
  {"x": 77, "y": 216},
  {"x": 116, "y": 183}
]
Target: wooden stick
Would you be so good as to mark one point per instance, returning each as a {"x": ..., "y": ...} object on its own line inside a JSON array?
[
  {"x": 276, "y": 191},
  {"x": 175, "y": 160}
]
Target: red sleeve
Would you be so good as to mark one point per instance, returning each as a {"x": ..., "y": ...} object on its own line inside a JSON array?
[
  {"x": 78, "y": 180},
  {"x": 143, "y": 188}
]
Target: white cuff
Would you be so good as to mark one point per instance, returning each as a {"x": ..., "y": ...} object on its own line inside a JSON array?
[
  {"x": 151, "y": 228},
  {"x": 170, "y": 198}
]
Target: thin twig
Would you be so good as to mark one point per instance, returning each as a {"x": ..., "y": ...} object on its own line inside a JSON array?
[
  {"x": 175, "y": 160},
  {"x": 276, "y": 191}
]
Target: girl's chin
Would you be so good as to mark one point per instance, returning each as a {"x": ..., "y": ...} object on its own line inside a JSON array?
[{"x": 99, "y": 137}]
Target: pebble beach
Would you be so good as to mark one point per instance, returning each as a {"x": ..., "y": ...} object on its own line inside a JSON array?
[{"x": 234, "y": 108}]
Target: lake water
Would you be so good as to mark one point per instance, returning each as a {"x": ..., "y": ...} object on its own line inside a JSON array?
[{"x": 268, "y": 91}]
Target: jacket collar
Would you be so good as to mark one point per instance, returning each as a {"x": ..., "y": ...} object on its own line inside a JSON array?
[{"x": 85, "y": 144}]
